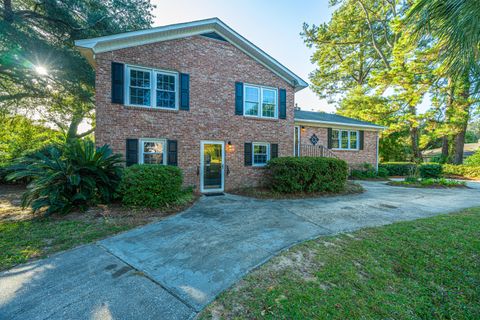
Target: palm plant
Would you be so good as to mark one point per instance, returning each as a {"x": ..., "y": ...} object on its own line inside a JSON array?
[
  {"x": 456, "y": 26},
  {"x": 75, "y": 175}
]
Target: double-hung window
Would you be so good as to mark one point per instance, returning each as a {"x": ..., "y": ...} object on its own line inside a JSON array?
[
  {"x": 344, "y": 139},
  {"x": 260, "y": 101},
  {"x": 261, "y": 153},
  {"x": 151, "y": 88},
  {"x": 152, "y": 151}
]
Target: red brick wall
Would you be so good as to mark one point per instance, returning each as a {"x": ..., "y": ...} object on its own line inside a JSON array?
[
  {"x": 352, "y": 157},
  {"x": 214, "y": 67}
]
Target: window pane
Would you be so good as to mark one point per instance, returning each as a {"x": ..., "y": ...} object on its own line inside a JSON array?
[
  {"x": 153, "y": 158},
  {"x": 252, "y": 94},
  {"x": 335, "y": 140},
  {"x": 153, "y": 147},
  {"x": 140, "y": 96},
  {"x": 268, "y": 110},
  {"x": 251, "y": 108},
  {"x": 260, "y": 155},
  {"x": 353, "y": 139},
  {"x": 165, "y": 91},
  {"x": 268, "y": 96},
  {"x": 165, "y": 99},
  {"x": 344, "y": 140},
  {"x": 165, "y": 82},
  {"x": 140, "y": 87}
]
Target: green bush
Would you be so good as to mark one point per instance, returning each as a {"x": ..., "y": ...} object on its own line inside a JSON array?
[
  {"x": 465, "y": 171},
  {"x": 474, "y": 159},
  {"x": 367, "y": 171},
  {"x": 151, "y": 186},
  {"x": 430, "y": 170},
  {"x": 399, "y": 168},
  {"x": 307, "y": 174},
  {"x": 64, "y": 177}
]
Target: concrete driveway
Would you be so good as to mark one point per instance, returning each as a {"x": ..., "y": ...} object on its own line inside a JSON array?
[{"x": 173, "y": 268}]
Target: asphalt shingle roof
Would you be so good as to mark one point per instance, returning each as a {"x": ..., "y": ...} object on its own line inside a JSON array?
[{"x": 330, "y": 117}]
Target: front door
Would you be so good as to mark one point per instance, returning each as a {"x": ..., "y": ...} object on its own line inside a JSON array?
[{"x": 212, "y": 158}]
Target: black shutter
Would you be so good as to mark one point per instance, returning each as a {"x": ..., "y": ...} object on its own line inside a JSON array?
[
  {"x": 132, "y": 152},
  {"x": 184, "y": 91},
  {"x": 273, "y": 151},
  {"x": 239, "y": 98},
  {"x": 248, "y": 154},
  {"x": 329, "y": 138},
  {"x": 117, "y": 83},
  {"x": 360, "y": 139},
  {"x": 172, "y": 159},
  {"x": 282, "y": 106}
]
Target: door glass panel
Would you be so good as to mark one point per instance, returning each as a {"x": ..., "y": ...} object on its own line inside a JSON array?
[{"x": 212, "y": 166}]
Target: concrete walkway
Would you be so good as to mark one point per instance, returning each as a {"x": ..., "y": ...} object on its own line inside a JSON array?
[{"x": 173, "y": 268}]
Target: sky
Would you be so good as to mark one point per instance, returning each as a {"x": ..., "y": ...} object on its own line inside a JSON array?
[{"x": 272, "y": 25}]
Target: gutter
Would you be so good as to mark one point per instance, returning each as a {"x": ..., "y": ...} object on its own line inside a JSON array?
[{"x": 341, "y": 124}]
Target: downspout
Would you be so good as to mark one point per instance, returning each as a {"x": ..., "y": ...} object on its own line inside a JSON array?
[{"x": 378, "y": 141}]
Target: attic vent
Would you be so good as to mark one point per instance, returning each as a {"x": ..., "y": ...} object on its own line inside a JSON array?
[{"x": 214, "y": 35}]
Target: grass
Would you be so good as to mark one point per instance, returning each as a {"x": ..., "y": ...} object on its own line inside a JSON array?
[
  {"x": 266, "y": 193},
  {"x": 24, "y": 237},
  {"x": 429, "y": 183},
  {"x": 424, "y": 269}
]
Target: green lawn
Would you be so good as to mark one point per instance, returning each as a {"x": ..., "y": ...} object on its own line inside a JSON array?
[
  {"x": 424, "y": 269},
  {"x": 24, "y": 237}
]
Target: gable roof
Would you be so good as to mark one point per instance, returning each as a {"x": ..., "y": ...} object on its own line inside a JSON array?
[
  {"x": 207, "y": 27},
  {"x": 331, "y": 118}
]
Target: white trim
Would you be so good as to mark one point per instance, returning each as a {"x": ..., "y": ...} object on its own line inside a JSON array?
[
  {"x": 295, "y": 129},
  {"x": 202, "y": 144},
  {"x": 299, "y": 121},
  {"x": 253, "y": 153},
  {"x": 340, "y": 148},
  {"x": 141, "y": 146},
  {"x": 260, "y": 101},
  {"x": 378, "y": 141},
  {"x": 153, "y": 86},
  {"x": 89, "y": 47}
]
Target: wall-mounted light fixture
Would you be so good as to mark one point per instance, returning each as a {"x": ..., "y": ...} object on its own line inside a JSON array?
[
  {"x": 230, "y": 147},
  {"x": 302, "y": 128}
]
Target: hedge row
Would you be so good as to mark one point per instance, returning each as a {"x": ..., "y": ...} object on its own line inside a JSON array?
[
  {"x": 307, "y": 174},
  {"x": 398, "y": 168},
  {"x": 461, "y": 170}
]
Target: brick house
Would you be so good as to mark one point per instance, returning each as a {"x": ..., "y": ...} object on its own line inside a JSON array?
[{"x": 200, "y": 96}]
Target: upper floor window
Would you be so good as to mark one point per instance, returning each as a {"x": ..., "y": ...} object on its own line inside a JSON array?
[
  {"x": 344, "y": 139},
  {"x": 151, "y": 88},
  {"x": 260, "y": 101}
]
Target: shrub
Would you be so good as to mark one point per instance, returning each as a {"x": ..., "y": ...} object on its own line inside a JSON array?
[
  {"x": 307, "y": 174},
  {"x": 399, "y": 168},
  {"x": 465, "y": 171},
  {"x": 151, "y": 186},
  {"x": 367, "y": 171},
  {"x": 474, "y": 159},
  {"x": 64, "y": 177},
  {"x": 430, "y": 170}
]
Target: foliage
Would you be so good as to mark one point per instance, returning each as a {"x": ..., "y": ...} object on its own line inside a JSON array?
[
  {"x": 64, "y": 177},
  {"x": 440, "y": 159},
  {"x": 367, "y": 171},
  {"x": 474, "y": 159},
  {"x": 307, "y": 174},
  {"x": 151, "y": 186},
  {"x": 399, "y": 168},
  {"x": 430, "y": 170},
  {"x": 20, "y": 136},
  {"x": 465, "y": 171},
  {"x": 428, "y": 182},
  {"x": 422, "y": 269},
  {"x": 42, "y": 33}
]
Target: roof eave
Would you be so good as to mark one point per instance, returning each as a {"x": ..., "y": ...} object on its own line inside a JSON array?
[
  {"x": 367, "y": 126},
  {"x": 182, "y": 30}
]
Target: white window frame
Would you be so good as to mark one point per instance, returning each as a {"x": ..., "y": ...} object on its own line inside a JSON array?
[
  {"x": 348, "y": 135},
  {"x": 253, "y": 153},
  {"x": 153, "y": 87},
  {"x": 260, "y": 101},
  {"x": 141, "y": 149}
]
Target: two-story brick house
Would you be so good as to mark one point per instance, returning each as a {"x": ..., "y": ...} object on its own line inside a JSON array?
[{"x": 200, "y": 96}]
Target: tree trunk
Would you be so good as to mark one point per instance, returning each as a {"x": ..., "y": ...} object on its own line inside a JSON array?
[
  {"x": 463, "y": 111},
  {"x": 459, "y": 145},
  {"x": 7, "y": 11},
  {"x": 445, "y": 147},
  {"x": 414, "y": 140}
]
